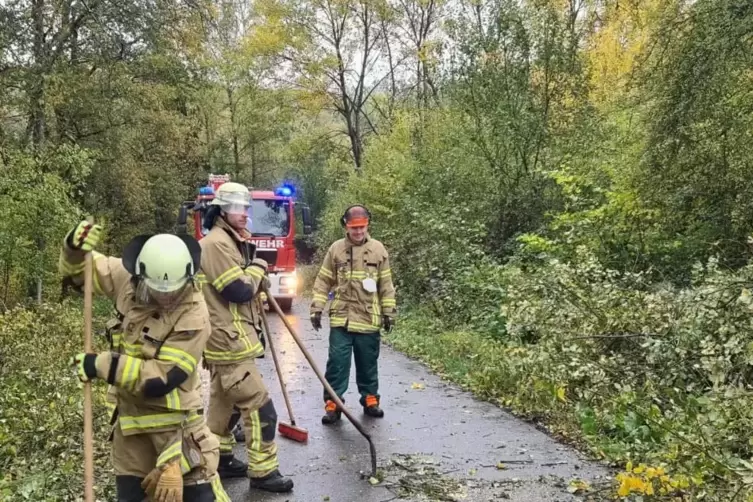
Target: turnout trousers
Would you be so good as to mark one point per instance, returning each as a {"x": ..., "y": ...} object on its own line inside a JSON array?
[
  {"x": 364, "y": 348},
  {"x": 134, "y": 456},
  {"x": 240, "y": 385}
]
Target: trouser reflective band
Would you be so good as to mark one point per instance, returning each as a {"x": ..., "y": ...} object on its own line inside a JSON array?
[
  {"x": 219, "y": 491},
  {"x": 262, "y": 463},
  {"x": 226, "y": 444},
  {"x": 262, "y": 450}
]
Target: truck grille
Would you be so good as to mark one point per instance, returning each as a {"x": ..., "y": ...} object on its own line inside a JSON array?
[{"x": 268, "y": 255}]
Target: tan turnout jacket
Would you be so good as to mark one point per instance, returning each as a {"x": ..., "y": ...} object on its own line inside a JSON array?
[
  {"x": 345, "y": 269},
  {"x": 149, "y": 344},
  {"x": 224, "y": 259}
]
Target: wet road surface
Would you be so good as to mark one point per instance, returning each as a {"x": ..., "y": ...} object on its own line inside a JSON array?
[{"x": 435, "y": 442}]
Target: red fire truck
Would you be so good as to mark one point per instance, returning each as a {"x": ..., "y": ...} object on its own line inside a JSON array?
[{"x": 272, "y": 226}]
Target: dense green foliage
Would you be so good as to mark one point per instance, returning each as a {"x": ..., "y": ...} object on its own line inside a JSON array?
[
  {"x": 41, "y": 408},
  {"x": 582, "y": 255},
  {"x": 563, "y": 186},
  {"x": 652, "y": 374}
]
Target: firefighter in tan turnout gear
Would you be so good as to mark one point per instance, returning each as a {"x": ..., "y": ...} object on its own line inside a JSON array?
[
  {"x": 357, "y": 269},
  {"x": 231, "y": 280},
  {"x": 161, "y": 445}
]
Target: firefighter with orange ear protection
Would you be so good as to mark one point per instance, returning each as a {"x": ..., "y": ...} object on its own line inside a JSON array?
[
  {"x": 231, "y": 282},
  {"x": 161, "y": 445},
  {"x": 357, "y": 269}
]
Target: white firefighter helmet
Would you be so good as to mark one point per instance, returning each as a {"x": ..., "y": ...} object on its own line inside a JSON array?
[
  {"x": 164, "y": 262},
  {"x": 233, "y": 198}
]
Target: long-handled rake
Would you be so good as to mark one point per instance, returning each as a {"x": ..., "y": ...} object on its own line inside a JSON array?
[{"x": 324, "y": 382}]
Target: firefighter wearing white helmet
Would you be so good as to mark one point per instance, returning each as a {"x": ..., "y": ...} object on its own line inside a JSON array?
[
  {"x": 231, "y": 278},
  {"x": 161, "y": 445},
  {"x": 232, "y": 197}
]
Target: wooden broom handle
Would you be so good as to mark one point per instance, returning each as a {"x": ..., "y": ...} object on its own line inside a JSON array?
[
  {"x": 88, "y": 422},
  {"x": 274, "y": 357}
]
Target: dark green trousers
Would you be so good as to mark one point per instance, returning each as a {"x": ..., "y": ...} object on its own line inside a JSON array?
[{"x": 364, "y": 348}]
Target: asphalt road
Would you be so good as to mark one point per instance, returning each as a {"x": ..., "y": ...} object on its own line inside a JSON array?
[{"x": 435, "y": 442}]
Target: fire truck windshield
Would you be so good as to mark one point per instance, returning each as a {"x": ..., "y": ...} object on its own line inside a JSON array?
[{"x": 269, "y": 218}]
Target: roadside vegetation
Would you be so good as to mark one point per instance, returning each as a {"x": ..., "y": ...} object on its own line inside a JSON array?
[
  {"x": 41, "y": 407},
  {"x": 564, "y": 187}
]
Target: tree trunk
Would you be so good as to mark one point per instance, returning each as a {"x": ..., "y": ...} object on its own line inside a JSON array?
[
  {"x": 37, "y": 79},
  {"x": 253, "y": 163},
  {"x": 37, "y": 105},
  {"x": 234, "y": 131}
]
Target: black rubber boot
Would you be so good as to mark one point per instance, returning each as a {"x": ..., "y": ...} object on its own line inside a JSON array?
[
  {"x": 272, "y": 482},
  {"x": 332, "y": 414},
  {"x": 231, "y": 467},
  {"x": 373, "y": 411},
  {"x": 199, "y": 493}
]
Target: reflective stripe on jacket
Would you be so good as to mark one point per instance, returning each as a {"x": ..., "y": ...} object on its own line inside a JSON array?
[
  {"x": 350, "y": 270},
  {"x": 149, "y": 342},
  {"x": 234, "y": 336}
]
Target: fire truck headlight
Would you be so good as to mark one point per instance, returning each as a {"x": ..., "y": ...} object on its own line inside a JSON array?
[{"x": 289, "y": 282}]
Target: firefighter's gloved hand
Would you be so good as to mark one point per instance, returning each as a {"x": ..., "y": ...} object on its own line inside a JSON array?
[
  {"x": 165, "y": 483},
  {"x": 266, "y": 283},
  {"x": 85, "y": 236},
  {"x": 387, "y": 323},
  {"x": 149, "y": 484},
  {"x": 316, "y": 320},
  {"x": 86, "y": 366}
]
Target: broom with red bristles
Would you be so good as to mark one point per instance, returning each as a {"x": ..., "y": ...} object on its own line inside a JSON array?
[{"x": 288, "y": 430}]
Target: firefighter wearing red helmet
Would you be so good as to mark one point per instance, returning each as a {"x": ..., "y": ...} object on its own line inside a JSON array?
[
  {"x": 357, "y": 269},
  {"x": 231, "y": 277},
  {"x": 161, "y": 445}
]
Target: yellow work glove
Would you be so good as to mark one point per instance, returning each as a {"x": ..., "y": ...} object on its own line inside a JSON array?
[
  {"x": 165, "y": 484},
  {"x": 150, "y": 482},
  {"x": 85, "y": 236}
]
